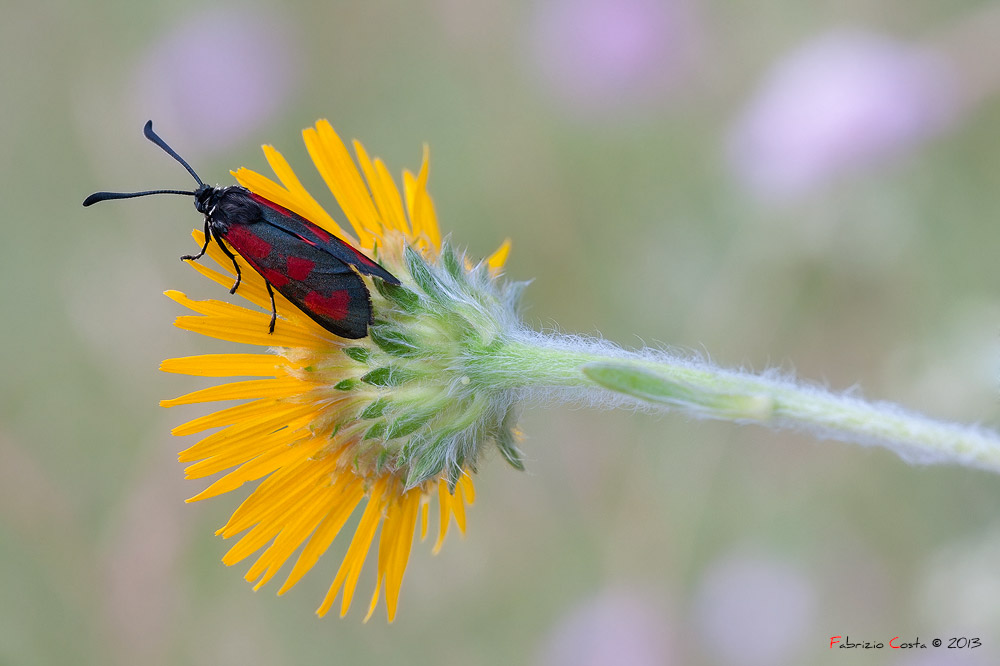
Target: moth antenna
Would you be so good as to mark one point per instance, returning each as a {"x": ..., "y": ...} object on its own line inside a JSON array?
[
  {"x": 104, "y": 196},
  {"x": 152, "y": 136}
]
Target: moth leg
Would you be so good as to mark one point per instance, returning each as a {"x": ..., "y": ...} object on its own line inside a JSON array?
[
  {"x": 226, "y": 251},
  {"x": 204, "y": 248},
  {"x": 274, "y": 309}
]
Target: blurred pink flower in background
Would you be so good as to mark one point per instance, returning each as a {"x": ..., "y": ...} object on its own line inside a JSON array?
[
  {"x": 616, "y": 627},
  {"x": 217, "y": 76},
  {"x": 754, "y": 611},
  {"x": 599, "y": 56},
  {"x": 843, "y": 101}
]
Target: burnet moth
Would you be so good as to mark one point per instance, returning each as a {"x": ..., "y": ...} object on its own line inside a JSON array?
[{"x": 319, "y": 273}]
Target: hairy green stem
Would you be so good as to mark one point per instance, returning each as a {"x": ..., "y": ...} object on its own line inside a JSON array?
[{"x": 534, "y": 362}]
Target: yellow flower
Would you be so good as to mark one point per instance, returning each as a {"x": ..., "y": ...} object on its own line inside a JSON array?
[{"x": 388, "y": 421}]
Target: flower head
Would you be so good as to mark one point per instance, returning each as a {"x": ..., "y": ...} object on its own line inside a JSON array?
[{"x": 390, "y": 421}]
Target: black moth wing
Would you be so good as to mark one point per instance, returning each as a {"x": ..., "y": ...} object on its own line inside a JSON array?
[
  {"x": 326, "y": 288},
  {"x": 318, "y": 237}
]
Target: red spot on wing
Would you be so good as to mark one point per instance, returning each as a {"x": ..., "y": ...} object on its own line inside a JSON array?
[
  {"x": 321, "y": 233},
  {"x": 247, "y": 243},
  {"x": 334, "y": 306},
  {"x": 277, "y": 280},
  {"x": 362, "y": 258},
  {"x": 299, "y": 268}
]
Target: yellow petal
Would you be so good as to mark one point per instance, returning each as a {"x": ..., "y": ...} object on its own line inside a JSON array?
[
  {"x": 267, "y": 188},
  {"x": 283, "y": 387},
  {"x": 400, "y": 553},
  {"x": 241, "y": 439},
  {"x": 338, "y": 171},
  {"x": 458, "y": 508},
  {"x": 268, "y": 529},
  {"x": 292, "y": 535},
  {"x": 499, "y": 258},
  {"x": 350, "y": 568},
  {"x": 297, "y": 523},
  {"x": 387, "y": 542},
  {"x": 274, "y": 491},
  {"x": 252, "y": 329},
  {"x": 468, "y": 488},
  {"x": 363, "y": 538},
  {"x": 227, "y": 365},
  {"x": 250, "y": 411},
  {"x": 262, "y": 465},
  {"x": 385, "y": 195},
  {"x": 303, "y": 203},
  {"x": 342, "y": 508},
  {"x": 424, "y": 510},
  {"x": 374, "y": 601},
  {"x": 419, "y": 205},
  {"x": 444, "y": 514},
  {"x": 395, "y": 203}
]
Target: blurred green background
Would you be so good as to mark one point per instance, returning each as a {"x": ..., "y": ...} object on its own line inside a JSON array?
[{"x": 804, "y": 186}]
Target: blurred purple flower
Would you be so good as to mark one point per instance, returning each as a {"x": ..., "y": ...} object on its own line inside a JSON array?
[
  {"x": 217, "y": 76},
  {"x": 617, "y": 627},
  {"x": 841, "y": 102},
  {"x": 754, "y": 611},
  {"x": 610, "y": 55}
]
